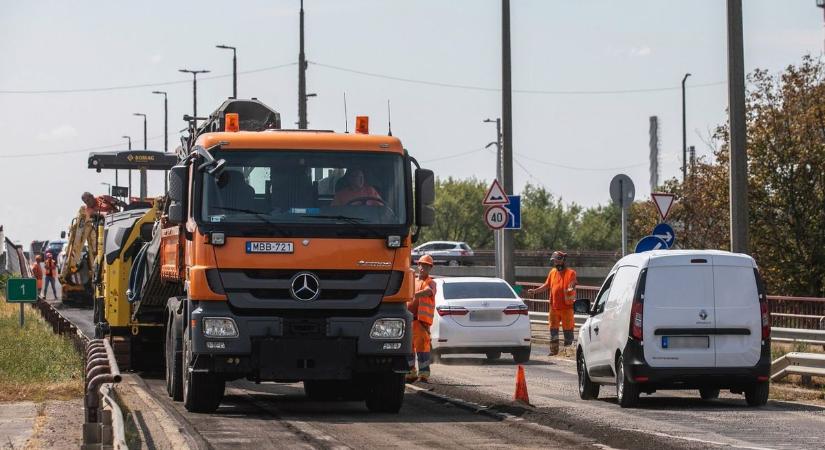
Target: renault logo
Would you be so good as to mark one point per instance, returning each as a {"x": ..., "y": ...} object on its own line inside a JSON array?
[
  {"x": 305, "y": 286},
  {"x": 703, "y": 314}
]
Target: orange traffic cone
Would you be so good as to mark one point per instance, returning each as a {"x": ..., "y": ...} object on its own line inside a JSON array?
[{"x": 521, "y": 386}]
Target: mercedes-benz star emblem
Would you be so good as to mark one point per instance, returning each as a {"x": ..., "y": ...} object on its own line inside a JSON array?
[
  {"x": 305, "y": 286},
  {"x": 703, "y": 314}
]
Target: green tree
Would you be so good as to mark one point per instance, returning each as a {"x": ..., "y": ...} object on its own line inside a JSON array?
[
  {"x": 459, "y": 214},
  {"x": 599, "y": 228},
  {"x": 546, "y": 223}
]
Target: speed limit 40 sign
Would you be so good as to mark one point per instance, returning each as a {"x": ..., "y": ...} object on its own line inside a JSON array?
[{"x": 496, "y": 217}]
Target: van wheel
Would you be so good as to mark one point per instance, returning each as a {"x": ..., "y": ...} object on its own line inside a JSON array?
[
  {"x": 493, "y": 355},
  {"x": 522, "y": 356},
  {"x": 627, "y": 393},
  {"x": 588, "y": 390},
  {"x": 386, "y": 393},
  {"x": 709, "y": 394},
  {"x": 757, "y": 395},
  {"x": 202, "y": 392}
]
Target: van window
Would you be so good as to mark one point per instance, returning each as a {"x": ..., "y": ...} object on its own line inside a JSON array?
[
  {"x": 604, "y": 293},
  {"x": 624, "y": 286}
]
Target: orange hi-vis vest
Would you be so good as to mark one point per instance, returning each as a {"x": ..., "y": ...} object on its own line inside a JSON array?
[
  {"x": 423, "y": 308},
  {"x": 562, "y": 288}
]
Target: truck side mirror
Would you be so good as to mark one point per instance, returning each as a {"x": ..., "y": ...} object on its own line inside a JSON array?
[
  {"x": 178, "y": 179},
  {"x": 424, "y": 197}
]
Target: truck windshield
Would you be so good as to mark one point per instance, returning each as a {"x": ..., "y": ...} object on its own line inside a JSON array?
[{"x": 307, "y": 187}]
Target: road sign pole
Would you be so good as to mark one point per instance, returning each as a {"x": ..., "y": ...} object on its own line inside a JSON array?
[
  {"x": 624, "y": 230},
  {"x": 21, "y": 315}
]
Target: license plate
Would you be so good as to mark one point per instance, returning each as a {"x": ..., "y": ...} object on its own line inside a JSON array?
[
  {"x": 680, "y": 342},
  {"x": 485, "y": 316},
  {"x": 268, "y": 247}
]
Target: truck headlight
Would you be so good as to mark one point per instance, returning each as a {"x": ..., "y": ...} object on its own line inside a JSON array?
[
  {"x": 219, "y": 327},
  {"x": 387, "y": 329}
]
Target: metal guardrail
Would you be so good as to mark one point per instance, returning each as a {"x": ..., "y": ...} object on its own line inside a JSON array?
[
  {"x": 814, "y": 337},
  {"x": 795, "y": 363},
  {"x": 101, "y": 372}
]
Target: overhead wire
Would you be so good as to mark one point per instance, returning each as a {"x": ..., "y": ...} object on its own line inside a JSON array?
[
  {"x": 519, "y": 91},
  {"x": 456, "y": 155},
  {"x": 141, "y": 85}
]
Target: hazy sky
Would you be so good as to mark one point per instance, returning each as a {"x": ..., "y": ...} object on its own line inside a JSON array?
[{"x": 569, "y": 135}]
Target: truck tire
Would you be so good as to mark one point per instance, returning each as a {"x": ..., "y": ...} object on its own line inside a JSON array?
[
  {"x": 174, "y": 358},
  {"x": 202, "y": 392},
  {"x": 386, "y": 394}
]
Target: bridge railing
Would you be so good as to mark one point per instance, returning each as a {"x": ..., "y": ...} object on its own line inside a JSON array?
[{"x": 786, "y": 312}]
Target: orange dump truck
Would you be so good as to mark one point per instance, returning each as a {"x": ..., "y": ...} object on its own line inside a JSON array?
[{"x": 293, "y": 251}]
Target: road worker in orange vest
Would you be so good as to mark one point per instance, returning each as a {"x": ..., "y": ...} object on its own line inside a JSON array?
[
  {"x": 561, "y": 281},
  {"x": 422, "y": 307}
]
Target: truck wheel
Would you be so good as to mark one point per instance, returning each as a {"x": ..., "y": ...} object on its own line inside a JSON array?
[
  {"x": 757, "y": 395},
  {"x": 627, "y": 393},
  {"x": 522, "y": 356},
  {"x": 202, "y": 392},
  {"x": 174, "y": 359},
  {"x": 386, "y": 394}
]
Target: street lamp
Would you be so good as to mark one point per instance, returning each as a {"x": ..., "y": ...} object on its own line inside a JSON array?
[
  {"x": 684, "y": 132},
  {"x": 234, "y": 68},
  {"x": 108, "y": 185},
  {"x": 165, "y": 120},
  {"x": 194, "y": 93},
  {"x": 144, "y": 128},
  {"x": 130, "y": 170},
  {"x": 130, "y": 141}
]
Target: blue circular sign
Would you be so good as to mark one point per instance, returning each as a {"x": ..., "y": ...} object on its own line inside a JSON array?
[
  {"x": 665, "y": 232},
  {"x": 649, "y": 243}
]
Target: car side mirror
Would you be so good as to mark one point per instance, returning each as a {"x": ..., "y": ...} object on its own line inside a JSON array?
[
  {"x": 424, "y": 197},
  {"x": 62, "y": 235},
  {"x": 581, "y": 306}
]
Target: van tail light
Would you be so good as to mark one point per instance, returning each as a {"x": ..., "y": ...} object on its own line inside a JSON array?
[
  {"x": 520, "y": 310},
  {"x": 452, "y": 311},
  {"x": 637, "y": 309},
  {"x": 763, "y": 305}
]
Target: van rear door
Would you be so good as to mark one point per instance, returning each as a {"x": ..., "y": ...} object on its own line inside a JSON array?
[
  {"x": 679, "y": 312},
  {"x": 738, "y": 318}
]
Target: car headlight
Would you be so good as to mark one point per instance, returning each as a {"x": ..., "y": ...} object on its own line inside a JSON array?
[
  {"x": 219, "y": 327},
  {"x": 387, "y": 329}
]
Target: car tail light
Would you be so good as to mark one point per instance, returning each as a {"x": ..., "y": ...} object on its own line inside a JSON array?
[
  {"x": 763, "y": 305},
  {"x": 452, "y": 311},
  {"x": 637, "y": 310},
  {"x": 463, "y": 253},
  {"x": 516, "y": 310}
]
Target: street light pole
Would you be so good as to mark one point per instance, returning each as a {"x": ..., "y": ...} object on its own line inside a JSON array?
[
  {"x": 165, "y": 134},
  {"x": 684, "y": 133},
  {"x": 130, "y": 141},
  {"x": 194, "y": 93},
  {"x": 143, "y": 185},
  {"x": 234, "y": 68}
]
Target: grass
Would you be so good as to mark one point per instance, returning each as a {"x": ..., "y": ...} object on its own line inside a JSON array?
[{"x": 35, "y": 363}]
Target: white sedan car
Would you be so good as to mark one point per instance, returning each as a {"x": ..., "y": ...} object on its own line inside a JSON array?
[{"x": 479, "y": 315}]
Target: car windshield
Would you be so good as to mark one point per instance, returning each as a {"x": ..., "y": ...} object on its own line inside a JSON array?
[
  {"x": 307, "y": 187},
  {"x": 481, "y": 289}
]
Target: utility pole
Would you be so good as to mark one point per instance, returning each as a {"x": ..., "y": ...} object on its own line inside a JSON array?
[
  {"x": 302, "y": 79},
  {"x": 234, "y": 68},
  {"x": 497, "y": 233},
  {"x": 684, "y": 132},
  {"x": 507, "y": 261},
  {"x": 738, "y": 131},
  {"x": 165, "y": 134},
  {"x": 194, "y": 93}
]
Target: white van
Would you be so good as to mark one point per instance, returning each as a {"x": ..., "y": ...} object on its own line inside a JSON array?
[{"x": 677, "y": 319}]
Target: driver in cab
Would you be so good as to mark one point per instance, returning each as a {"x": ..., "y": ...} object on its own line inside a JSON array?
[{"x": 355, "y": 191}]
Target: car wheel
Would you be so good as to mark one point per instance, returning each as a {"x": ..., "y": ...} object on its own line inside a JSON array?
[
  {"x": 627, "y": 393},
  {"x": 708, "y": 393},
  {"x": 492, "y": 356},
  {"x": 757, "y": 395},
  {"x": 521, "y": 356},
  {"x": 588, "y": 390},
  {"x": 453, "y": 263}
]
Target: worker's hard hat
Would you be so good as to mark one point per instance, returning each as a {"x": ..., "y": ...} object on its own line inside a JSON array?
[
  {"x": 558, "y": 255},
  {"x": 49, "y": 255},
  {"x": 426, "y": 259},
  {"x": 37, "y": 258}
]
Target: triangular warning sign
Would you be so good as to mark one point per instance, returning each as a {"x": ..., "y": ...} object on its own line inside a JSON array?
[
  {"x": 663, "y": 203},
  {"x": 495, "y": 195}
]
